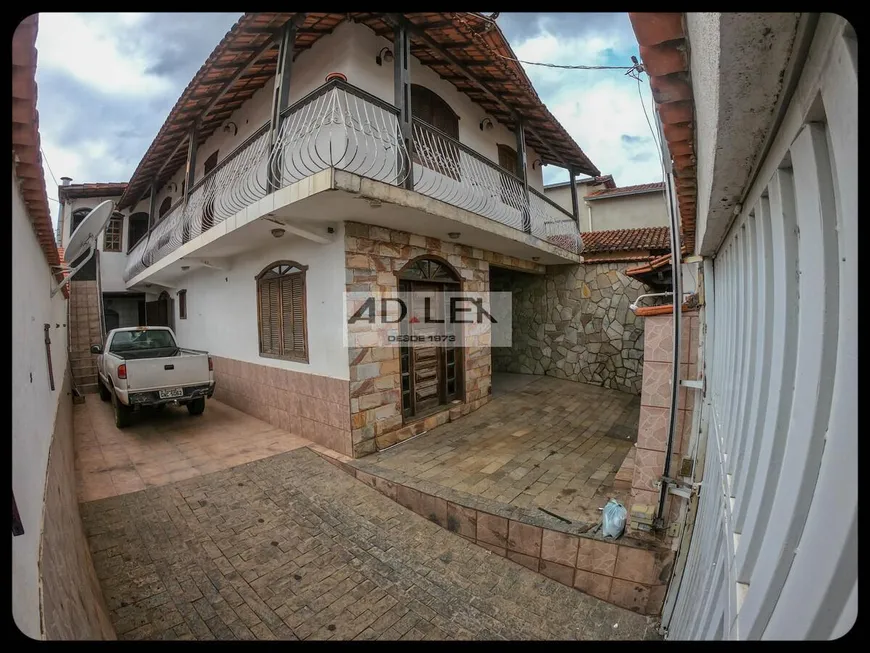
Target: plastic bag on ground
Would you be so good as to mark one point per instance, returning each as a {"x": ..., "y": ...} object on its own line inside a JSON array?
[{"x": 613, "y": 519}]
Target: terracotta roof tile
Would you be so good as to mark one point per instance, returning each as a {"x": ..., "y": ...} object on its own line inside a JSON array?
[
  {"x": 100, "y": 189},
  {"x": 470, "y": 37},
  {"x": 662, "y": 309},
  {"x": 607, "y": 180},
  {"x": 615, "y": 240},
  {"x": 626, "y": 190},
  {"x": 663, "y": 50},
  {"x": 25, "y": 138}
]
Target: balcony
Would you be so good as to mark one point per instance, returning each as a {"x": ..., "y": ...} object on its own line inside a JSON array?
[{"x": 339, "y": 126}]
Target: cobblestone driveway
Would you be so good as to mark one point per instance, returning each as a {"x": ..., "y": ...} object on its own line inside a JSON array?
[{"x": 290, "y": 547}]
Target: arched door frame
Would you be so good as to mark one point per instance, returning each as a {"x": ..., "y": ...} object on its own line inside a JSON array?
[{"x": 449, "y": 363}]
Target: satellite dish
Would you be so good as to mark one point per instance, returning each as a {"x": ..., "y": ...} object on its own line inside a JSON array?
[{"x": 83, "y": 242}]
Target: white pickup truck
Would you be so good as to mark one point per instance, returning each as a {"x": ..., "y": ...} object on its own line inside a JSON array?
[{"x": 143, "y": 366}]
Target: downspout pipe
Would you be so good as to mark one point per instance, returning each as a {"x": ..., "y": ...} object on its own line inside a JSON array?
[{"x": 676, "y": 276}]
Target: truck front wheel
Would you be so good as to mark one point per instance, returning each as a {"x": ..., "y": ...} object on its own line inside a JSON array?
[
  {"x": 196, "y": 406},
  {"x": 105, "y": 393},
  {"x": 122, "y": 413}
]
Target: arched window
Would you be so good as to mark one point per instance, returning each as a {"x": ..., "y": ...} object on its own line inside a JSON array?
[
  {"x": 281, "y": 311},
  {"x": 207, "y": 218},
  {"x": 165, "y": 205},
  {"x": 429, "y": 107},
  {"x": 507, "y": 158},
  {"x": 137, "y": 229},
  {"x": 210, "y": 163},
  {"x": 77, "y": 216},
  {"x": 431, "y": 149},
  {"x": 113, "y": 233}
]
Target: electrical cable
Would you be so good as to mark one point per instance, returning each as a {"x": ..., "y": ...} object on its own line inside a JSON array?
[
  {"x": 49, "y": 166},
  {"x": 564, "y": 66},
  {"x": 491, "y": 21}
]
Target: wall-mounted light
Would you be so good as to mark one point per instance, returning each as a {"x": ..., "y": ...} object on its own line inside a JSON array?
[
  {"x": 231, "y": 127},
  {"x": 453, "y": 234},
  {"x": 172, "y": 187},
  {"x": 384, "y": 55},
  {"x": 537, "y": 163},
  {"x": 375, "y": 203},
  {"x": 486, "y": 124},
  {"x": 185, "y": 268},
  {"x": 277, "y": 233}
]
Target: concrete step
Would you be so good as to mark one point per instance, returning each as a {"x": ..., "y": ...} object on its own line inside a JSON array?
[{"x": 88, "y": 388}]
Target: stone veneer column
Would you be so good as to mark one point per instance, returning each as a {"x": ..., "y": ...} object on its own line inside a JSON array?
[
  {"x": 373, "y": 257},
  {"x": 652, "y": 430}
]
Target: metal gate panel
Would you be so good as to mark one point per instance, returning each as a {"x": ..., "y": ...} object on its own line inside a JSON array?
[{"x": 773, "y": 548}]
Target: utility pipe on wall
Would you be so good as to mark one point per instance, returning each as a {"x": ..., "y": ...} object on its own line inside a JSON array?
[{"x": 676, "y": 276}]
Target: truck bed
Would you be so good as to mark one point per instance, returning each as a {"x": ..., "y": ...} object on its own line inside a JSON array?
[{"x": 147, "y": 372}]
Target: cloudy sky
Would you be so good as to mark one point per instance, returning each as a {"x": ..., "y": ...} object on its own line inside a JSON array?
[{"x": 107, "y": 82}]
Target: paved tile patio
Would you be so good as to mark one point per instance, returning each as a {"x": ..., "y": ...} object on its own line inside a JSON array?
[
  {"x": 291, "y": 547},
  {"x": 540, "y": 443},
  {"x": 163, "y": 447}
]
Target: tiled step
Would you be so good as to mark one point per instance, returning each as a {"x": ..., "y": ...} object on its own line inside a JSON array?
[{"x": 625, "y": 572}]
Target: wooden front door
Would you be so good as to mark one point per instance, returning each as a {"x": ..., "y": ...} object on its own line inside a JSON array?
[
  {"x": 427, "y": 378},
  {"x": 431, "y": 374},
  {"x": 158, "y": 313}
]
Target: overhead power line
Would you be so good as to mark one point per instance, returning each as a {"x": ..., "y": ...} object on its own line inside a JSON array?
[
  {"x": 565, "y": 66},
  {"x": 492, "y": 23},
  {"x": 49, "y": 166}
]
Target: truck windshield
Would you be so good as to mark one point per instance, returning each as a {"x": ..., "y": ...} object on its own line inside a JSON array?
[{"x": 126, "y": 341}]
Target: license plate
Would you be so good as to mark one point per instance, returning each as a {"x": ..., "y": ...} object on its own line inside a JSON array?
[{"x": 169, "y": 394}]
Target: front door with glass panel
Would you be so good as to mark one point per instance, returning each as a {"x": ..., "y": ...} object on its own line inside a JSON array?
[{"x": 430, "y": 372}]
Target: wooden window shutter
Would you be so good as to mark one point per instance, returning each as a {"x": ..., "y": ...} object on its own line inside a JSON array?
[
  {"x": 298, "y": 317},
  {"x": 270, "y": 318},
  {"x": 282, "y": 315}
]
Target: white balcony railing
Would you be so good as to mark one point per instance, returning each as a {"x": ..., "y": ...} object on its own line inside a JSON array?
[{"x": 341, "y": 126}]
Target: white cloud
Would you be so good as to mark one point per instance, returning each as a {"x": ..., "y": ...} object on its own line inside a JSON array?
[
  {"x": 597, "y": 107},
  {"x": 88, "y": 47}
]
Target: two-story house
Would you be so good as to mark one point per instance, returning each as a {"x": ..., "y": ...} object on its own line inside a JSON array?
[{"x": 319, "y": 154}]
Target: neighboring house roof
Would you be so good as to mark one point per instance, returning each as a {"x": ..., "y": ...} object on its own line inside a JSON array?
[
  {"x": 607, "y": 180},
  {"x": 26, "y": 144},
  {"x": 228, "y": 79},
  {"x": 99, "y": 189},
  {"x": 615, "y": 240},
  {"x": 639, "y": 189},
  {"x": 664, "y": 51},
  {"x": 60, "y": 252}
]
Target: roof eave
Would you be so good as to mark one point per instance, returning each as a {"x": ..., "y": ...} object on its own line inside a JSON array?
[
  {"x": 608, "y": 195},
  {"x": 664, "y": 50}
]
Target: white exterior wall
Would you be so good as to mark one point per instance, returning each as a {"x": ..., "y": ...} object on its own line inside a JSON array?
[
  {"x": 351, "y": 50},
  {"x": 628, "y": 211},
  {"x": 111, "y": 263},
  {"x": 222, "y": 306},
  {"x": 34, "y": 405}
]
